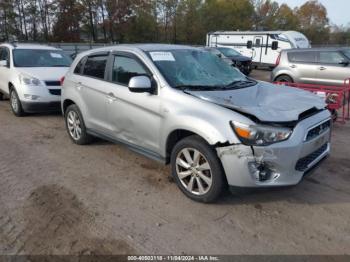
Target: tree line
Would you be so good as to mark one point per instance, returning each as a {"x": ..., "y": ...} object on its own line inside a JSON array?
[{"x": 168, "y": 21}]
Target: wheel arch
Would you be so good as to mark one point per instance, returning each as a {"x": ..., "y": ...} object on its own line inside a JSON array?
[
  {"x": 10, "y": 86},
  {"x": 180, "y": 133},
  {"x": 66, "y": 104},
  {"x": 283, "y": 74}
]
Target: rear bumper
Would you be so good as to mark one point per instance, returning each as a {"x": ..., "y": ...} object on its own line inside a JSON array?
[{"x": 40, "y": 107}]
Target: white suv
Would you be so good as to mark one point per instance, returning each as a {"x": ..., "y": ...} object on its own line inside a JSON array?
[{"x": 30, "y": 76}]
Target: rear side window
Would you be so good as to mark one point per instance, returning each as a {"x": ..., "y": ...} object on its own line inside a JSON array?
[
  {"x": 327, "y": 57},
  {"x": 95, "y": 66},
  {"x": 125, "y": 68},
  {"x": 302, "y": 57}
]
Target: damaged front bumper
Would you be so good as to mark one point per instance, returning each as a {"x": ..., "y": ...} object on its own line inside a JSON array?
[{"x": 280, "y": 164}]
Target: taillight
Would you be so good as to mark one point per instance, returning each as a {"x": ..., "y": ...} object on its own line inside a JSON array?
[
  {"x": 278, "y": 59},
  {"x": 62, "y": 80}
]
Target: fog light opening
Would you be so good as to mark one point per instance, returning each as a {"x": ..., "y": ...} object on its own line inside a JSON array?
[
  {"x": 262, "y": 171},
  {"x": 31, "y": 97}
]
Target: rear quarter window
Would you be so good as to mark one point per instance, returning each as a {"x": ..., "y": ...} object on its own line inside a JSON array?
[
  {"x": 79, "y": 67},
  {"x": 302, "y": 57}
]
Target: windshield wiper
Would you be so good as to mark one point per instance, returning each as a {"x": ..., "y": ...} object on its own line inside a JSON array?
[
  {"x": 241, "y": 83},
  {"x": 234, "y": 84},
  {"x": 60, "y": 66},
  {"x": 197, "y": 87}
]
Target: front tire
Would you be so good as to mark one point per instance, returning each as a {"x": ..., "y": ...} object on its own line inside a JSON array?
[
  {"x": 75, "y": 126},
  {"x": 197, "y": 170},
  {"x": 16, "y": 104}
]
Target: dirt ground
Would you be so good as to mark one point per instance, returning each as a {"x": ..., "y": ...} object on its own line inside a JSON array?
[{"x": 60, "y": 198}]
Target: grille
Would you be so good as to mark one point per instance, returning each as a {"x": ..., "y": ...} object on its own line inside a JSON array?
[
  {"x": 53, "y": 83},
  {"x": 318, "y": 130},
  {"x": 55, "y": 92},
  {"x": 304, "y": 162}
]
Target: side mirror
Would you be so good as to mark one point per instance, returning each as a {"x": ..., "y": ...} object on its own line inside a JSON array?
[
  {"x": 220, "y": 55},
  {"x": 344, "y": 62},
  {"x": 250, "y": 44},
  {"x": 3, "y": 63},
  {"x": 274, "y": 45},
  {"x": 140, "y": 84}
]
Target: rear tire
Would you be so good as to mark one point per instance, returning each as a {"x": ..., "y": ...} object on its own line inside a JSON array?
[
  {"x": 284, "y": 78},
  {"x": 75, "y": 126},
  {"x": 1, "y": 96},
  {"x": 16, "y": 104},
  {"x": 197, "y": 170}
]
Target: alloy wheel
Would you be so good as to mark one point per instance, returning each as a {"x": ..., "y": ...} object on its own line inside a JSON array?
[
  {"x": 74, "y": 125},
  {"x": 193, "y": 171},
  {"x": 14, "y": 101}
]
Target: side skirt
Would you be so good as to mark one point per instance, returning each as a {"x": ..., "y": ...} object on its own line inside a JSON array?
[{"x": 138, "y": 149}]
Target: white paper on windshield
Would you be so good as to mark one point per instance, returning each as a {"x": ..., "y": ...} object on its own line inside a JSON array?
[
  {"x": 56, "y": 55},
  {"x": 162, "y": 56}
]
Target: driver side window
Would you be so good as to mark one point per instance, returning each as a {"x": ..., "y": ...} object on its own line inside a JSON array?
[
  {"x": 330, "y": 57},
  {"x": 124, "y": 68}
]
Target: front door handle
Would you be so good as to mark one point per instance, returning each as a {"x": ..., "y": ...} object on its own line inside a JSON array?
[
  {"x": 322, "y": 68},
  {"x": 111, "y": 97}
]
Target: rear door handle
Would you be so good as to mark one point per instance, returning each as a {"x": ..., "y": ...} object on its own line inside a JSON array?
[
  {"x": 322, "y": 68},
  {"x": 293, "y": 66}
]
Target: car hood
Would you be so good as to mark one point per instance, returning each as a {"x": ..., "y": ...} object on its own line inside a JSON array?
[
  {"x": 265, "y": 101},
  {"x": 44, "y": 73},
  {"x": 240, "y": 58}
]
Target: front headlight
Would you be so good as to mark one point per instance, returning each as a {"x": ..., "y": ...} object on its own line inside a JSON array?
[
  {"x": 29, "y": 80},
  {"x": 259, "y": 135}
]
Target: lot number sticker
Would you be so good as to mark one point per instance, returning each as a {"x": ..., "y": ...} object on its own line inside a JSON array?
[{"x": 162, "y": 56}]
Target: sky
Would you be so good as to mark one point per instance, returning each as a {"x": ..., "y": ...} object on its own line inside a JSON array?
[{"x": 338, "y": 10}]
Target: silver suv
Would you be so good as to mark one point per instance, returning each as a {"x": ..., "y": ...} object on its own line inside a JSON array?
[
  {"x": 313, "y": 66},
  {"x": 187, "y": 107}
]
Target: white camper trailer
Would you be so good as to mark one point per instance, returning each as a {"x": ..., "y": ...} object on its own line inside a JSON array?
[{"x": 263, "y": 47}]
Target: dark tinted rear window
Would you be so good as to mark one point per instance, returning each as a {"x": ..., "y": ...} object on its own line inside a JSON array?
[
  {"x": 302, "y": 57},
  {"x": 95, "y": 66}
]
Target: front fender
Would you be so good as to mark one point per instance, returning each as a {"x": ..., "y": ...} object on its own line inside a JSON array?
[{"x": 212, "y": 132}]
